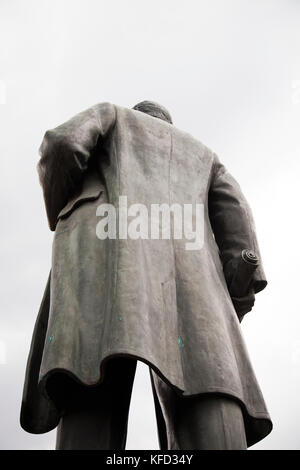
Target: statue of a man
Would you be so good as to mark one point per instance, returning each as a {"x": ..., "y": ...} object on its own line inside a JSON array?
[{"x": 112, "y": 299}]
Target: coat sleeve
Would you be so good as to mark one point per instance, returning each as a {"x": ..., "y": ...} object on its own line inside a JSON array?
[
  {"x": 232, "y": 223},
  {"x": 65, "y": 153}
]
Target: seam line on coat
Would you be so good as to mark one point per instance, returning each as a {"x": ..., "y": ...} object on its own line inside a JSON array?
[
  {"x": 117, "y": 244},
  {"x": 179, "y": 352}
]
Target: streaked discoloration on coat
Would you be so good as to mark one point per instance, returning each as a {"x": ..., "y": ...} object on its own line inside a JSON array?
[{"x": 152, "y": 299}]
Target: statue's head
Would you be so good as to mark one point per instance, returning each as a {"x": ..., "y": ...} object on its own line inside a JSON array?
[{"x": 154, "y": 109}]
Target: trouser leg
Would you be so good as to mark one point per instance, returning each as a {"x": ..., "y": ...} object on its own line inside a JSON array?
[
  {"x": 206, "y": 422},
  {"x": 97, "y": 418}
]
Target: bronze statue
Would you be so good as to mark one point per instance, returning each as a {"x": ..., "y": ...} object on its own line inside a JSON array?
[{"x": 112, "y": 301}]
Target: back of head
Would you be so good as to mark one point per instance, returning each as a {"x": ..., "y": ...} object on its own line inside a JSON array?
[{"x": 154, "y": 109}]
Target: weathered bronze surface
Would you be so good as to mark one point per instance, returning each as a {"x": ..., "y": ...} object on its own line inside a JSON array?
[{"x": 149, "y": 299}]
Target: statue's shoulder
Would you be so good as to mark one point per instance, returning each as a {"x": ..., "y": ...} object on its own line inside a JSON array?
[{"x": 187, "y": 140}]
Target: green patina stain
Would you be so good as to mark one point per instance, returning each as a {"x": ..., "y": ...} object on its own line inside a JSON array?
[
  {"x": 120, "y": 318},
  {"x": 180, "y": 342},
  {"x": 50, "y": 339}
]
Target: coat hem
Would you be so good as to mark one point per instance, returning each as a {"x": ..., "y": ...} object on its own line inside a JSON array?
[{"x": 258, "y": 424}]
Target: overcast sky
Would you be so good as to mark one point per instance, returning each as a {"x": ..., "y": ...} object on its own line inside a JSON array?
[{"x": 229, "y": 72}]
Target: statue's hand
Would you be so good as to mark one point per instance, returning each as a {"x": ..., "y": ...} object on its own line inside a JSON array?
[{"x": 244, "y": 304}]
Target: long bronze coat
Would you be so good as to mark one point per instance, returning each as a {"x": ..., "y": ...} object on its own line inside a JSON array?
[{"x": 151, "y": 299}]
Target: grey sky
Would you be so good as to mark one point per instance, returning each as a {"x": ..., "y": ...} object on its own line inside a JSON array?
[{"x": 229, "y": 73}]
